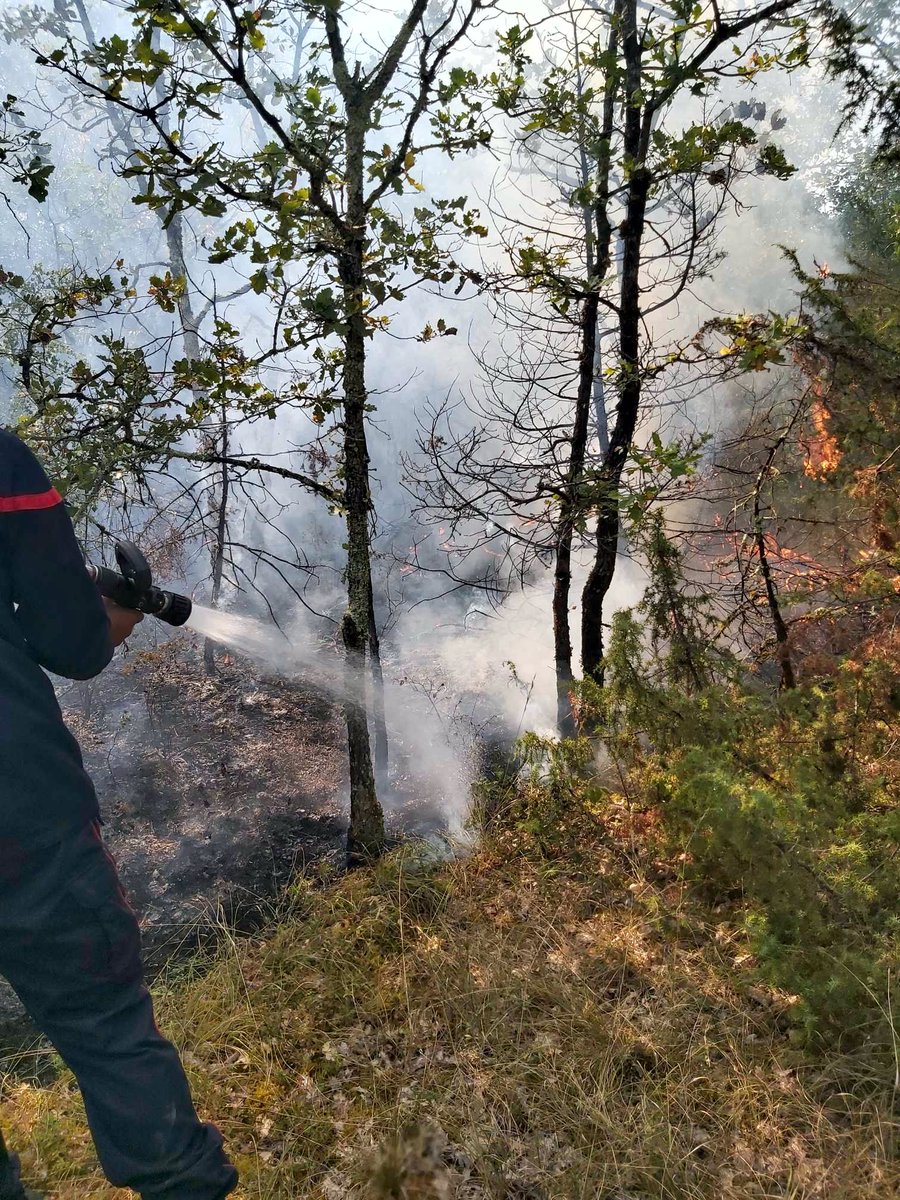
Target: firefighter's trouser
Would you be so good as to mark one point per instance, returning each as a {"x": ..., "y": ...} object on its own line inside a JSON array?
[{"x": 70, "y": 947}]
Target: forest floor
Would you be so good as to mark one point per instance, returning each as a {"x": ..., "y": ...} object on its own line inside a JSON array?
[
  {"x": 215, "y": 792},
  {"x": 543, "y": 1020}
]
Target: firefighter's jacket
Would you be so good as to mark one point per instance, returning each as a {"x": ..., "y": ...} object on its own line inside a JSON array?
[{"x": 51, "y": 618}]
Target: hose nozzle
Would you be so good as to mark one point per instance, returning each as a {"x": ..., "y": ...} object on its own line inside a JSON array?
[{"x": 132, "y": 587}]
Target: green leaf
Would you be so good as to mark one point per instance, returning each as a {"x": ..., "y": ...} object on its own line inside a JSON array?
[{"x": 212, "y": 206}]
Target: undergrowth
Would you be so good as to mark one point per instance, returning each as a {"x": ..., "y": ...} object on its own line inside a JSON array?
[
  {"x": 782, "y": 807},
  {"x": 555, "y": 1017}
]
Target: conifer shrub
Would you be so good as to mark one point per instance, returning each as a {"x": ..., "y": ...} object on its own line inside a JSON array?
[
  {"x": 806, "y": 843},
  {"x": 781, "y": 805}
]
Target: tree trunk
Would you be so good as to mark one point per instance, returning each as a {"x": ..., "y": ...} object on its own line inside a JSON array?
[
  {"x": 570, "y": 510},
  {"x": 174, "y": 235},
  {"x": 597, "y": 237},
  {"x": 562, "y": 638},
  {"x": 379, "y": 720},
  {"x": 190, "y": 333},
  {"x": 636, "y": 132},
  {"x": 366, "y": 836},
  {"x": 601, "y": 421},
  {"x": 218, "y": 510},
  {"x": 782, "y": 637},
  {"x": 221, "y": 537}
]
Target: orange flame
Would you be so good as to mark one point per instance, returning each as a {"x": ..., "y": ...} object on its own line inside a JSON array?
[{"x": 823, "y": 454}]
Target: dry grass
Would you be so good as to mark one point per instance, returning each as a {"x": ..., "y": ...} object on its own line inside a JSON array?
[{"x": 512, "y": 1027}]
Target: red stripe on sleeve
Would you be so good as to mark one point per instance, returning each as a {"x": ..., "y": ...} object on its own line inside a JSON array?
[{"x": 32, "y": 503}]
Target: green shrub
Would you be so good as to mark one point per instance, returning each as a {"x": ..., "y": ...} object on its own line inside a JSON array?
[{"x": 785, "y": 805}]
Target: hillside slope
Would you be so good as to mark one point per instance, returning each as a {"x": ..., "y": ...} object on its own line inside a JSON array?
[{"x": 546, "y": 1020}]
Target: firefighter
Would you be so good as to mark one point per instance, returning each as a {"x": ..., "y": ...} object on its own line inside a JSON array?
[{"x": 69, "y": 942}]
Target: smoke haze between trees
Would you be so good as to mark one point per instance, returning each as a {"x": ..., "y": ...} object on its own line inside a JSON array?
[{"x": 431, "y": 742}]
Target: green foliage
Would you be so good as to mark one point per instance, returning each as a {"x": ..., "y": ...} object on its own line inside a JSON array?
[
  {"x": 96, "y": 406},
  {"x": 850, "y": 353},
  {"x": 675, "y": 623},
  {"x": 786, "y": 808},
  {"x": 867, "y": 201},
  {"x": 22, "y": 152},
  {"x": 807, "y": 840},
  {"x": 655, "y": 467},
  {"x": 861, "y": 51},
  {"x": 699, "y": 145},
  {"x": 756, "y": 342},
  {"x": 772, "y": 161},
  {"x": 277, "y": 211}
]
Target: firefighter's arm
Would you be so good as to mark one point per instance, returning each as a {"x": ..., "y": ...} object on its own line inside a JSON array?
[{"x": 59, "y": 611}]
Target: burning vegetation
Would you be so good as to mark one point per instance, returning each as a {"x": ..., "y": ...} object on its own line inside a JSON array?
[{"x": 823, "y": 455}]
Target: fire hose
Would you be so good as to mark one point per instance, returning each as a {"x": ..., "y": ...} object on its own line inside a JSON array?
[{"x": 132, "y": 587}]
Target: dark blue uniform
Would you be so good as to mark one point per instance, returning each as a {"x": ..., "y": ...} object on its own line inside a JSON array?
[{"x": 69, "y": 942}]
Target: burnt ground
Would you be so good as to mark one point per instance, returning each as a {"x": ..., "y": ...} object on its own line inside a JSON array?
[
  {"x": 211, "y": 788},
  {"x": 214, "y": 791}
]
